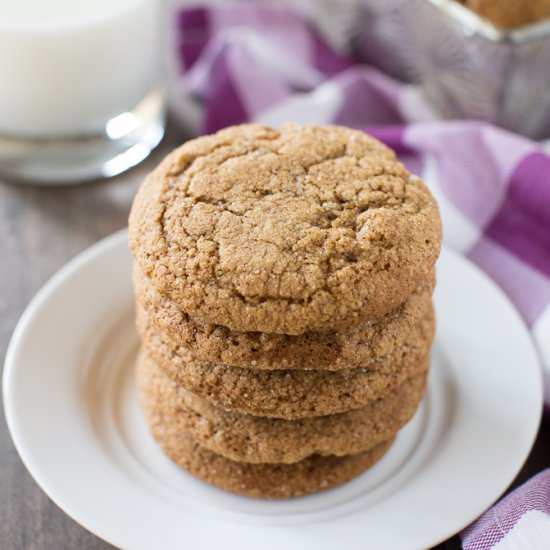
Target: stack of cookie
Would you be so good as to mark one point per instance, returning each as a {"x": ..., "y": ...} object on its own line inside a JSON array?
[{"x": 283, "y": 284}]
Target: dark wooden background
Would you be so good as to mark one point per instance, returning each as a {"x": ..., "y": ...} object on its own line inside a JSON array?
[{"x": 40, "y": 229}]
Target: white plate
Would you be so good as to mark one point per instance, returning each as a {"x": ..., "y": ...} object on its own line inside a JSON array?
[{"x": 73, "y": 414}]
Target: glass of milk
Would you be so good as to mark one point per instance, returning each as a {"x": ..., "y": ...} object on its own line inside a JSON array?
[{"x": 79, "y": 88}]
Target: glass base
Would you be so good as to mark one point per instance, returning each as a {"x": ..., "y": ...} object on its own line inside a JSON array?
[{"x": 125, "y": 141}]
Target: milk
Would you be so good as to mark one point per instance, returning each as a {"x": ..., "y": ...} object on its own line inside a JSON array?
[{"x": 68, "y": 66}]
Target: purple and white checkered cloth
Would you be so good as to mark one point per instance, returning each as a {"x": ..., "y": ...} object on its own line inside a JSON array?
[{"x": 267, "y": 64}]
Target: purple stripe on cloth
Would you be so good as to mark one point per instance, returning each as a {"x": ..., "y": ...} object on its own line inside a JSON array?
[
  {"x": 507, "y": 149},
  {"x": 193, "y": 27},
  {"x": 257, "y": 88},
  {"x": 325, "y": 59},
  {"x": 468, "y": 173},
  {"x": 224, "y": 104},
  {"x": 364, "y": 102},
  {"x": 188, "y": 54},
  {"x": 192, "y": 18},
  {"x": 528, "y": 289},
  {"x": 278, "y": 24},
  {"x": 496, "y": 523},
  {"x": 392, "y": 136},
  {"x": 522, "y": 224}
]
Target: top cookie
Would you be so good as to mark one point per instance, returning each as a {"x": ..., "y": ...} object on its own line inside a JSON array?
[{"x": 284, "y": 231}]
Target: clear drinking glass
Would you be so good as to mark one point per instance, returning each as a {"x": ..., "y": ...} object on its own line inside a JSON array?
[{"x": 80, "y": 94}]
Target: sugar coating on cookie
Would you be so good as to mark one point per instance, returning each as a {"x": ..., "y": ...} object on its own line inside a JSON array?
[
  {"x": 351, "y": 347},
  {"x": 254, "y": 439},
  {"x": 267, "y": 481},
  {"x": 293, "y": 393},
  {"x": 284, "y": 231}
]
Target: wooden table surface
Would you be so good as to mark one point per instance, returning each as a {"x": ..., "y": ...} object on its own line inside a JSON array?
[{"x": 40, "y": 229}]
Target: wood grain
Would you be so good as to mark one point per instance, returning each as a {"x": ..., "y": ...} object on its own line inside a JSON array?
[{"x": 40, "y": 229}]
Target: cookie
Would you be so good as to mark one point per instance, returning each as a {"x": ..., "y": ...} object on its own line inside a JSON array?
[
  {"x": 253, "y": 439},
  {"x": 348, "y": 348},
  {"x": 286, "y": 394},
  {"x": 268, "y": 481},
  {"x": 510, "y": 14},
  {"x": 284, "y": 231}
]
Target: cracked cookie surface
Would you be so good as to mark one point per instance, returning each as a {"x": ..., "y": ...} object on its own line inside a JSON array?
[
  {"x": 284, "y": 231},
  {"x": 347, "y": 348},
  {"x": 288, "y": 393},
  {"x": 253, "y": 439}
]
